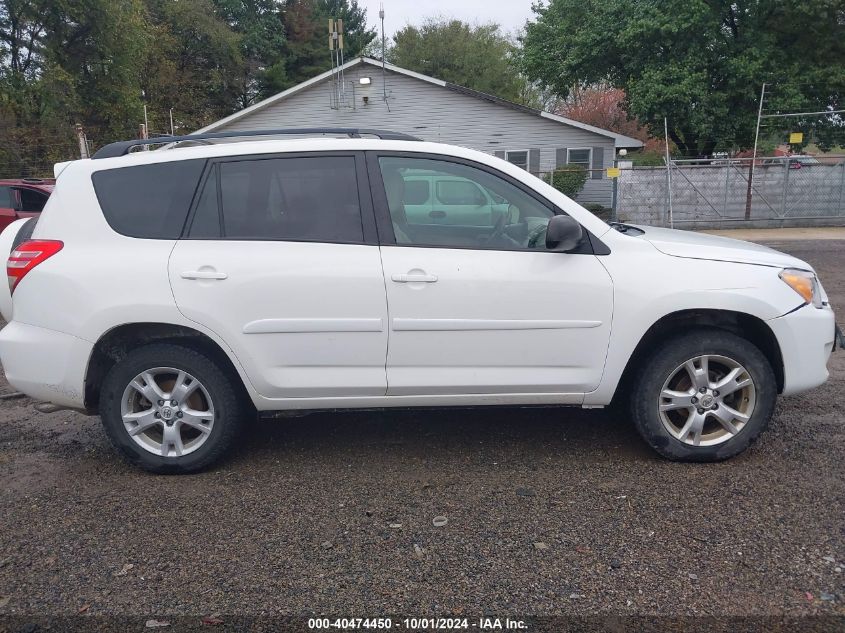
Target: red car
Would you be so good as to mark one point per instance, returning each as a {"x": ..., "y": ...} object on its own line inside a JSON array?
[{"x": 23, "y": 198}]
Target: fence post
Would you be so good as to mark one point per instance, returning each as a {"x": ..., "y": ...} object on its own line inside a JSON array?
[
  {"x": 841, "y": 208},
  {"x": 785, "y": 191},
  {"x": 613, "y": 213},
  {"x": 83, "y": 142},
  {"x": 727, "y": 186}
]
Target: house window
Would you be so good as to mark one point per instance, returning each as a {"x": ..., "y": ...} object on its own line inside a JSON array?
[
  {"x": 519, "y": 158},
  {"x": 580, "y": 156}
]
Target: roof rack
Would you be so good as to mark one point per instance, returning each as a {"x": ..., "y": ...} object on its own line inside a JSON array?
[{"x": 121, "y": 148}]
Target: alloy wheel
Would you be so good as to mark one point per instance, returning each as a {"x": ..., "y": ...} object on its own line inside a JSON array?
[
  {"x": 707, "y": 400},
  {"x": 167, "y": 411}
]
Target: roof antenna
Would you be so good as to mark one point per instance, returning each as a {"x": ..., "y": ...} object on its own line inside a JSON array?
[{"x": 383, "y": 54}]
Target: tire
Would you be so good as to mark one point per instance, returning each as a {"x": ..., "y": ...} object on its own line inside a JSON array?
[
  {"x": 670, "y": 426},
  {"x": 213, "y": 406}
]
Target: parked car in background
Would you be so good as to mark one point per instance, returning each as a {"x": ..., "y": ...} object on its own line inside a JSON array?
[
  {"x": 432, "y": 198},
  {"x": 23, "y": 198},
  {"x": 794, "y": 162},
  {"x": 797, "y": 162},
  {"x": 179, "y": 292}
]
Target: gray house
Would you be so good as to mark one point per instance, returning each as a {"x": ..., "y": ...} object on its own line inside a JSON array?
[{"x": 364, "y": 93}]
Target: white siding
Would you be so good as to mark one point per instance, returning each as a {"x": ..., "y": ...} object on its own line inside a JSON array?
[{"x": 432, "y": 113}]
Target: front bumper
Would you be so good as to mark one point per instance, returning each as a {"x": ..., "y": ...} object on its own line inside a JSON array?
[
  {"x": 45, "y": 364},
  {"x": 806, "y": 337}
]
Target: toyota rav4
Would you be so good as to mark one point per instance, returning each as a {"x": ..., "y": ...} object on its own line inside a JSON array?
[{"x": 181, "y": 291}]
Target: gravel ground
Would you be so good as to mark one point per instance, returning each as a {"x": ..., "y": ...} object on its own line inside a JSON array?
[{"x": 549, "y": 512}]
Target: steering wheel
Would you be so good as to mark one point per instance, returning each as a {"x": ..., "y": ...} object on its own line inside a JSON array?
[
  {"x": 498, "y": 229},
  {"x": 536, "y": 234}
]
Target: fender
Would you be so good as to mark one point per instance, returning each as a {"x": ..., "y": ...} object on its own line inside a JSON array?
[{"x": 679, "y": 285}]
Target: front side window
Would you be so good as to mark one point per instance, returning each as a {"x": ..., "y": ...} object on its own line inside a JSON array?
[
  {"x": 6, "y": 198},
  {"x": 471, "y": 208},
  {"x": 417, "y": 191},
  {"x": 298, "y": 198},
  {"x": 581, "y": 157},
  {"x": 459, "y": 192}
]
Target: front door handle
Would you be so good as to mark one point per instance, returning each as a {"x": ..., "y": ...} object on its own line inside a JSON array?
[
  {"x": 414, "y": 278},
  {"x": 204, "y": 274}
]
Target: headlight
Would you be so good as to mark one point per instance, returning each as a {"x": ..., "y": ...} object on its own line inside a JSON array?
[{"x": 804, "y": 283}]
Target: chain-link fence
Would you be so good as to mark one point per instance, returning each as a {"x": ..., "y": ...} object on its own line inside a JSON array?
[
  {"x": 785, "y": 191},
  {"x": 27, "y": 153}
]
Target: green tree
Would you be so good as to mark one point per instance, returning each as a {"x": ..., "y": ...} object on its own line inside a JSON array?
[
  {"x": 263, "y": 44},
  {"x": 478, "y": 57},
  {"x": 700, "y": 63},
  {"x": 195, "y": 66},
  {"x": 306, "y": 25}
]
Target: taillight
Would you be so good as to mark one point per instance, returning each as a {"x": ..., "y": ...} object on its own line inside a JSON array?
[{"x": 27, "y": 256}]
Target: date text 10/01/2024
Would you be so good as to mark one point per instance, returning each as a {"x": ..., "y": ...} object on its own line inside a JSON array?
[{"x": 441, "y": 624}]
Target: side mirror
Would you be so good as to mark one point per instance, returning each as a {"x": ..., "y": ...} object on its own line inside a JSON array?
[{"x": 563, "y": 234}]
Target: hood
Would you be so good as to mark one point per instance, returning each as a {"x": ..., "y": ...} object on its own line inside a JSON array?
[{"x": 703, "y": 246}]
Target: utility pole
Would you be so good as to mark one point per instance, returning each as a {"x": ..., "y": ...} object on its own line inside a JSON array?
[
  {"x": 749, "y": 193},
  {"x": 145, "y": 129},
  {"x": 172, "y": 133},
  {"x": 383, "y": 55},
  {"x": 668, "y": 172}
]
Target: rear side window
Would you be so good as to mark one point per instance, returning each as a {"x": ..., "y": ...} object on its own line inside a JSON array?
[
  {"x": 148, "y": 201},
  {"x": 6, "y": 198},
  {"x": 311, "y": 199}
]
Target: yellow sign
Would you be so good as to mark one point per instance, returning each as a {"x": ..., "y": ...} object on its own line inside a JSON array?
[
  {"x": 613, "y": 172},
  {"x": 796, "y": 138}
]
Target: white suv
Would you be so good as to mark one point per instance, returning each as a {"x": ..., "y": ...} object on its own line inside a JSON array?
[{"x": 178, "y": 292}]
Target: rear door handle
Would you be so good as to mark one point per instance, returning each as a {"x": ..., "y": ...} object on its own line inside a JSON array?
[
  {"x": 414, "y": 278},
  {"x": 204, "y": 274}
]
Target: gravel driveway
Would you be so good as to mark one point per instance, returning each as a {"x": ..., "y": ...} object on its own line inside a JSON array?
[{"x": 550, "y": 512}]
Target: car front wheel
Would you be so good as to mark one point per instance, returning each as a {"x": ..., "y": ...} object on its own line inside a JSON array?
[{"x": 703, "y": 396}]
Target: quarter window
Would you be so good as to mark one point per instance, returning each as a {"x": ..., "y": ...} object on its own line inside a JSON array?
[
  {"x": 148, "y": 201},
  {"x": 302, "y": 199}
]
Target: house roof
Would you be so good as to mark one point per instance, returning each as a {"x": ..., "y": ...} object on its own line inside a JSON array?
[{"x": 620, "y": 140}]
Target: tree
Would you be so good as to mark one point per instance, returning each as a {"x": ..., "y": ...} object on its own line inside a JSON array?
[
  {"x": 195, "y": 67},
  {"x": 700, "y": 63},
  {"x": 478, "y": 57},
  {"x": 263, "y": 45},
  {"x": 604, "y": 106},
  {"x": 22, "y": 28},
  {"x": 306, "y": 24}
]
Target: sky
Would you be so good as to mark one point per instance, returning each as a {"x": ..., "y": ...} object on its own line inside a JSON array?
[{"x": 511, "y": 14}]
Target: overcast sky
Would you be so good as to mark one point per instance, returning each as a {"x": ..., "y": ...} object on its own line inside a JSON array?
[{"x": 511, "y": 14}]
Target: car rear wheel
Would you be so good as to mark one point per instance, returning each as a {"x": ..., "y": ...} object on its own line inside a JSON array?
[
  {"x": 703, "y": 396},
  {"x": 170, "y": 409}
]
